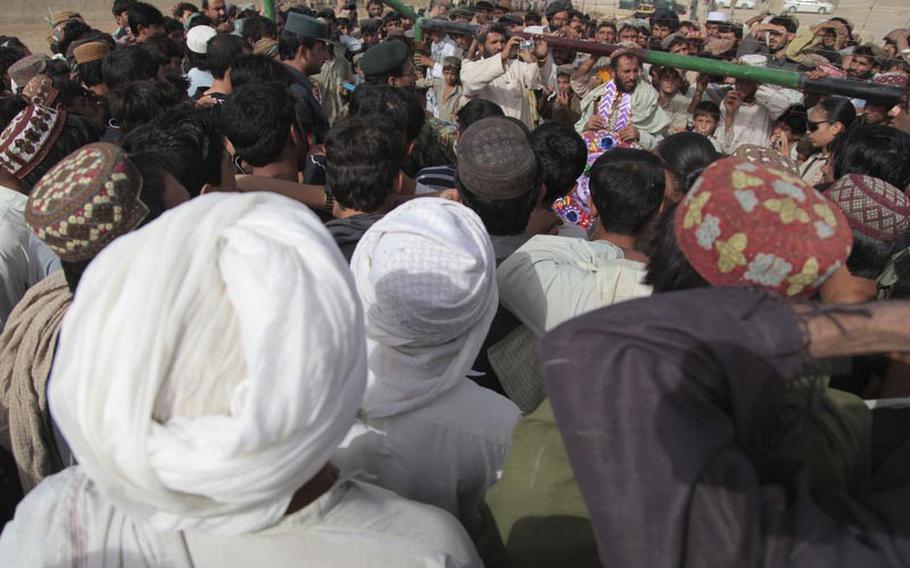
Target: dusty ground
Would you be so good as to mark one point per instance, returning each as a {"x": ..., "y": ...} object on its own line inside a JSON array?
[{"x": 23, "y": 18}]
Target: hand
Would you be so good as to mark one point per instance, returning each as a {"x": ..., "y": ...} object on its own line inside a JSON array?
[
  {"x": 511, "y": 46},
  {"x": 424, "y": 60},
  {"x": 702, "y": 82},
  {"x": 543, "y": 222},
  {"x": 206, "y": 101},
  {"x": 562, "y": 98},
  {"x": 817, "y": 74},
  {"x": 596, "y": 122},
  {"x": 732, "y": 101},
  {"x": 628, "y": 134}
]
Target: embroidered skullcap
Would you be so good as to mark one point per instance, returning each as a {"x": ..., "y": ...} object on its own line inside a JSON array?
[
  {"x": 495, "y": 159},
  {"x": 766, "y": 157},
  {"x": 266, "y": 46},
  {"x": 898, "y": 80},
  {"x": 22, "y": 71},
  {"x": 91, "y": 51},
  {"x": 745, "y": 224},
  {"x": 29, "y": 137},
  {"x": 873, "y": 207},
  {"x": 40, "y": 91},
  {"x": 87, "y": 200},
  {"x": 63, "y": 16}
]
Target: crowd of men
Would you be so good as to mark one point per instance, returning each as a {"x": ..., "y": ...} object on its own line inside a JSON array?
[{"x": 313, "y": 292}]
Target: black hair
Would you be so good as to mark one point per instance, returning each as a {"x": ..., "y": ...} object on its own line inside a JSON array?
[
  {"x": 614, "y": 61},
  {"x": 222, "y": 50},
  {"x": 665, "y": 17},
  {"x": 668, "y": 269},
  {"x": 171, "y": 25},
  {"x": 879, "y": 151},
  {"x": 145, "y": 15},
  {"x": 199, "y": 19},
  {"x": 685, "y": 155},
  {"x": 787, "y": 22},
  {"x": 182, "y": 7},
  {"x": 121, "y": 6},
  {"x": 183, "y": 141},
  {"x": 400, "y": 105},
  {"x": 363, "y": 156},
  {"x": 258, "y": 27},
  {"x": 627, "y": 187},
  {"x": 289, "y": 43},
  {"x": 796, "y": 119},
  {"x": 162, "y": 48},
  {"x": 258, "y": 68},
  {"x": 492, "y": 29},
  {"x": 74, "y": 30},
  {"x": 839, "y": 109},
  {"x": 376, "y": 2},
  {"x": 476, "y": 109},
  {"x": 501, "y": 217},
  {"x": 10, "y": 106},
  {"x": 128, "y": 63},
  {"x": 561, "y": 156},
  {"x": 707, "y": 107},
  {"x": 869, "y": 256},
  {"x": 77, "y": 132},
  {"x": 138, "y": 102},
  {"x": 865, "y": 51},
  {"x": 8, "y": 56},
  {"x": 257, "y": 118}
]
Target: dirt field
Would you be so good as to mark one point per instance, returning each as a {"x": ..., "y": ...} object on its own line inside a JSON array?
[{"x": 873, "y": 19}]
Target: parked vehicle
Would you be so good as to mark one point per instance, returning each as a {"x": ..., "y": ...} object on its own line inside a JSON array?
[
  {"x": 812, "y": 6},
  {"x": 746, "y": 4}
]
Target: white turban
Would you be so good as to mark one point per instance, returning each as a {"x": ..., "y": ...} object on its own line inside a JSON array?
[
  {"x": 211, "y": 362},
  {"x": 426, "y": 275}
]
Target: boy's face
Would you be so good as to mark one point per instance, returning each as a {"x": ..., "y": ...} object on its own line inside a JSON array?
[
  {"x": 450, "y": 76},
  {"x": 704, "y": 124},
  {"x": 563, "y": 83}
]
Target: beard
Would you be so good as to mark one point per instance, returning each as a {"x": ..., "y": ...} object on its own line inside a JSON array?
[{"x": 625, "y": 87}]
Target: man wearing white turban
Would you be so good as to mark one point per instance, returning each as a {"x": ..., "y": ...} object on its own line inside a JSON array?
[
  {"x": 426, "y": 274},
  {"x": 208, "y": 367}
]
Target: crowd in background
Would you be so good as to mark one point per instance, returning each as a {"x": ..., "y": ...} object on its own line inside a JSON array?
[{"x": 311, "y": 291}]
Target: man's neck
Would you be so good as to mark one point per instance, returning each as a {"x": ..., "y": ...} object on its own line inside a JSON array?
[
  {"x": 297, "y": 64},
  {"x": 222, "y": 86},
  {"x": 663, "y": 99},
  {"x": 313, "y": 489},
  {"x": 626, "y": 242}
]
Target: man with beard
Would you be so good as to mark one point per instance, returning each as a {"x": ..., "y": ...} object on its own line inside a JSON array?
[
  {"x": 772, "y": 39},
  {"x": 558, "y": 15},
  {"x": 624, "y": 108},
  {"x": 216, "y": 10},
  {"x": 505, "y": 75},
  {"x": 863, "y": 64},
  {"x": 302, "y": 48}
]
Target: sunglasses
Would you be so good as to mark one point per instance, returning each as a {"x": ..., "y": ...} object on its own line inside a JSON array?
[{"x": 813, "y": 126}]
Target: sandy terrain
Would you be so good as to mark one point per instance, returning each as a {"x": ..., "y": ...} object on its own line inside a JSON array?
[{"x": 873, "y": 19}]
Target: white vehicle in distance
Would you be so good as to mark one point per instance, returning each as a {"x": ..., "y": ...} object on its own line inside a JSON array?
[
  {"x": 745, "y": 4},
  {"x": 812, "y": 6}
]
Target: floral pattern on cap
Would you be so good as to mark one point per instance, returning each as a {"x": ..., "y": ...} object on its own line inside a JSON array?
[
  {"x": 87, "y": 200},
  {"x": 29, "y": 137},
  {"x": 746, "y": 224}
]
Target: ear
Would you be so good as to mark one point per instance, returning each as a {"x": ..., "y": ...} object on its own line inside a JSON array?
[
  {"x": 452, "y": 195},
  {"x": 295, "y": 136},
  {"x": 592, "y": 207},
  {"x": 398, "y": 182},
  {"x": 207, "y": 188},
  {"x": 410, "y": 151},
  {"x": 540, "y": 194}
]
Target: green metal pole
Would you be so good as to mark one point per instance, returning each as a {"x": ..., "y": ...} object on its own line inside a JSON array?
[
  {"x": 408, "y": 13},
  {"x": 268, "y": 9},
  {"x": 791, "y": 79}
]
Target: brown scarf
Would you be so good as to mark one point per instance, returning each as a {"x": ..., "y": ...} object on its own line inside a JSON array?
[{"x": 26, "y": 353}]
